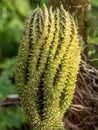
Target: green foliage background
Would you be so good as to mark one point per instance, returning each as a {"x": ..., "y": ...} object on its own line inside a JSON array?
[
  {"x": 92, "y": 25},
  {"x": 12, "y": 16}
]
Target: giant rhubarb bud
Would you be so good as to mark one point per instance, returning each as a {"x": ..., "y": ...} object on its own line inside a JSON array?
[{"x": 47, "y": 66}]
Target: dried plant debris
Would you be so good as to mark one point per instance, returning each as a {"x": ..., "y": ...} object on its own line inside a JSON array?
[{"x": 83, "y": 113}]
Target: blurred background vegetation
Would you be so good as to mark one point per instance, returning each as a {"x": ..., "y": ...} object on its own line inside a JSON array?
[{"x": 12, "y": 16}]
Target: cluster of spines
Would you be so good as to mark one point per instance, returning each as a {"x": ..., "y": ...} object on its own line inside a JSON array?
[{"x": 47, "y": 66}]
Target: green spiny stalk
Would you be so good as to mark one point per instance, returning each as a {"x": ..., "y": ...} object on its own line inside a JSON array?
[
  {"x": 47, "y": 66},
  {"x": 78, "y": 8}
]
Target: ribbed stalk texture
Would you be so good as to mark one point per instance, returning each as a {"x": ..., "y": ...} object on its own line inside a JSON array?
[{"x": 47, "y": 66}]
